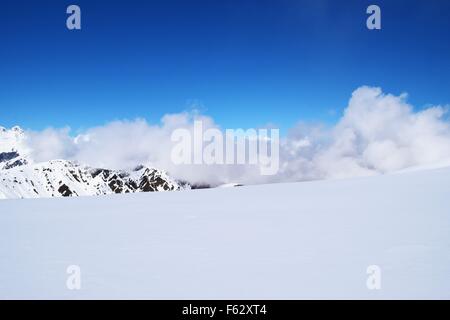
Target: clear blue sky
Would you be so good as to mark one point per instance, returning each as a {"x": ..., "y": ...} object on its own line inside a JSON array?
[{"x": 246, "y": 63}]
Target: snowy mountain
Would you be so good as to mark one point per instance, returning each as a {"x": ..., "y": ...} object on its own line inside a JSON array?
[
  {"x": 12, "y": 140},
  {"x": 20, "y": 177},
  {"x": 13, "y": 150}
]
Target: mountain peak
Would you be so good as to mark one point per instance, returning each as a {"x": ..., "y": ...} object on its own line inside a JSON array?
[
  {"x": 17, "y": 129},
  {"x": 13, "y": 140}
]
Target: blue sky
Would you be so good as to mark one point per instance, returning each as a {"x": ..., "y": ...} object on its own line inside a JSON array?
[{"x": 246, "y": 63}]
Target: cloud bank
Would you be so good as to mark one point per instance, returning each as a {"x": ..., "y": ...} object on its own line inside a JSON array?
[{"x": 378, "y": 133}]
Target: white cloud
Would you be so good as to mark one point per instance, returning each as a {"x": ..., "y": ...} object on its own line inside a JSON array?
[
  {"x": 378, "y": 133},
  {"x": 50, "y": 144}
]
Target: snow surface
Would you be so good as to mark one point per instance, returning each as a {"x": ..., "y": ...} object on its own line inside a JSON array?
[{"x": 280, "y": 241}]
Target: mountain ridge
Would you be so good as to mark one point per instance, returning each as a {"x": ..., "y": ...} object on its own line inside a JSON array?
[{"x": 21, "y": 177}]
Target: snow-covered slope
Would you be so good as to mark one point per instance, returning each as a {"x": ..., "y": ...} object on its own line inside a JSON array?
[
  {"x": 20, "y": 177},
  {"x": 299, "y": 240}
]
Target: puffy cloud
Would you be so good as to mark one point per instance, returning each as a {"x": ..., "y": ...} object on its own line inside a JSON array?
[
  {"x": 378, "y": 133},
  {"x": 50, "y": 144}
]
